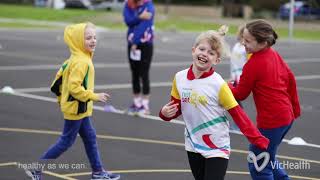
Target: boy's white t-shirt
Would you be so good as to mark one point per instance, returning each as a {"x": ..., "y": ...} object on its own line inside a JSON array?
[
  {"x": 237, "y": 61},
  {"x": 203, "y": 105}
]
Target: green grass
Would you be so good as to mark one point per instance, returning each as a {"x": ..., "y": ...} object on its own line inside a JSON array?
[
  {"x": 187, "y": 25},
  {"x": 22, "y": 25},
  {"x": 114, "y": 20},
  {"x": 314, "y": 35},
  {"x": 30, "y": 12}
]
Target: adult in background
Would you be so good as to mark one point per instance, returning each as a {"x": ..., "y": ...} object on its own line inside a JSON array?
[{"x": 139, "y": 18}]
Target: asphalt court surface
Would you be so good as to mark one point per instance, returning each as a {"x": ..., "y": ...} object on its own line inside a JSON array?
[{"x": 136, "y": 147}]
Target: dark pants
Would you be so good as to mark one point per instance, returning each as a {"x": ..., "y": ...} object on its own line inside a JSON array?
[
  {"x": 68, "y": 137},
  {"x": 207, "y": 168},
  {"x": 140, "y": 69},
  {"x": 275, "y": 136}
]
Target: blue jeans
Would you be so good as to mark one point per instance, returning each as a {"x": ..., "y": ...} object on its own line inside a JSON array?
[
  {"x": 270, "y": 172},
  {"x": 68, "y": 137}
]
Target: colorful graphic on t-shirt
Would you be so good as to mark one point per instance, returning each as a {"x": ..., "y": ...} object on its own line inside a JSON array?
[{"x": 193, "y": 98}]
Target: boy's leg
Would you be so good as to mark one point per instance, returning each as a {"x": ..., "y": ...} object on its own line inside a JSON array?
[
  {"x": 271, "y": 171},
  {"x": 219, "y": 165},
  {"x": 69, "y": 135},
  {"x": 88, "y": 135},
  {"x": 197, "y": 165}
]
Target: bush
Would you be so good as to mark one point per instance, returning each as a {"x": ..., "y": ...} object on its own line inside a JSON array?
[
  {"x": 17, "y": 1},
  {"x": 261, "y": 5},
  {"x": 188, "y": 2}
]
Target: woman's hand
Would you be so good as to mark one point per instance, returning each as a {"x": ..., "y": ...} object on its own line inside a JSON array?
[{"x": 145, "y": 15}]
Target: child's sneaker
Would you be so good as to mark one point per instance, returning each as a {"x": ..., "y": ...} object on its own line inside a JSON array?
[
  {"x": 144, "y": 111},
  {"x": 133, "y": 109},
  {"x": 35, "y": 175},
  {"x": 103, "y": 175}
]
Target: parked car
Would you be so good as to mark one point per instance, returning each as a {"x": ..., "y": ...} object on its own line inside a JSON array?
[
  {"x": 77, "y": 4},
  {"x": 95, "y": 4},
  {"x": 302, "y": 10}
]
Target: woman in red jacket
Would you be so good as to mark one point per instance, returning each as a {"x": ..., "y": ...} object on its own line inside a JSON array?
[{"x": 274, "y": 90}]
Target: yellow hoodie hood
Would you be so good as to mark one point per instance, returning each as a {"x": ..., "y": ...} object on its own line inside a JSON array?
[{"x": 74, "y": 38}]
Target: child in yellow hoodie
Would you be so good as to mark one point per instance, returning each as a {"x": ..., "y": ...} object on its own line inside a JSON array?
[{"x": 74, "y": 87}]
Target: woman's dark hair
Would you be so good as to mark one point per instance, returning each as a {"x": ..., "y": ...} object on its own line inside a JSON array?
[{"x": 262, "y": 31}]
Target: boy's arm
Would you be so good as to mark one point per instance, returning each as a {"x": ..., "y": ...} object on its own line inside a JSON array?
[
  {"x": 241, "y": 118},
  {"x": 75, "y": 86},
  {"x": 293, "y": 93},
  {"x": 175, "y": 97},
  {"x": 178, "y": 113},
  {"x": 57, "y": 82}
]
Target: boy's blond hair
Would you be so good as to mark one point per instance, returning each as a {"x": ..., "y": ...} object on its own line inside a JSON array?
[
  {"x": 90, "y": 25},
  {"x": 216, "y": 40}
]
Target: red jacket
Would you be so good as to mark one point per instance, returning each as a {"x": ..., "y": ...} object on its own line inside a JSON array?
[{"x": 273, "y": 86}]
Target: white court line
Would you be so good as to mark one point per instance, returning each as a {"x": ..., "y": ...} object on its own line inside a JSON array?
[
  {"x": 116, "y": 65},
  {"x": 175, "y": 171},
  {"x": 130, "y": 139},
  {"x": 97, "y": 87},
  {"x": 307, "y": 77},
  {"x": 156, "y": 118},
  {"x": 96, "y": 65},
  {"x": 309, "y": 89},
  {"x": 8, "y": 164},
  {"x": 157, "y": 84}
]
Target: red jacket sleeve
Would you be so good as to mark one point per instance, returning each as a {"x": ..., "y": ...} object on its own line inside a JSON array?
[
  {"x": 293, "y": 93},
  {"x": 247, "y": 128},
  {"x": 246, "y": 83},
  {"x": 178, "y": 113}
]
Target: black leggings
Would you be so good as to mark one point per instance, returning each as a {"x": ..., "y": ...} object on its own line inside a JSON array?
[
  {"x": 140, "y": 69},
  {"x": 207, "y": 168}
]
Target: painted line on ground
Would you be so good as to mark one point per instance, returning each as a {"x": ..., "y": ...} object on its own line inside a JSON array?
[
  {"x": 155, "y": 84},
  {"x": 45, "y": 172},
  {"x": 67, "y": 176},
  {"x": 307, "y": 77},
  {"x": 8, "y": 164},
  {"x": 176, "y": 171},
  {"x": 309, "y": 89},
  {"x": 96, "y": 66},
  {"x": 97, "y": 87},
  {"x": 58, "y": 175},
  {"x": 134, "y": 171},
  {"x": 106, "y": 65},
  {"x": 151, "y": 141},
  {"x": 156, "y": 118}
]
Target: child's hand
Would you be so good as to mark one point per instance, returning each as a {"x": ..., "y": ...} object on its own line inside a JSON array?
[
  {"x": 263, "y": 143},
  {"x": 145, "y": 15},
  {"x": 231, "y": 84},
  {"x": 103, "y": 97},
  {"x": 170, "y": 109}
]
